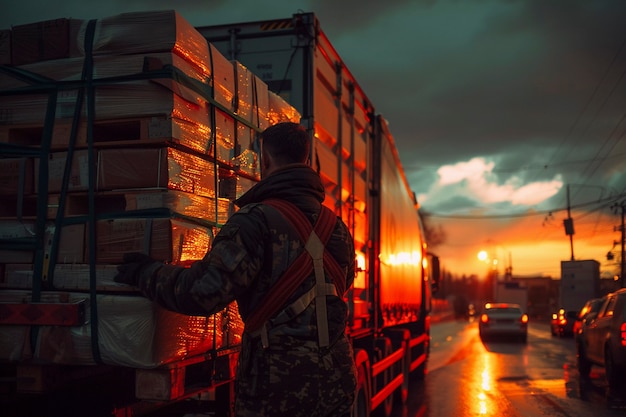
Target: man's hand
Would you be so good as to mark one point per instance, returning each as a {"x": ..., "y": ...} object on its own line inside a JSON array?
[{"x": 129, "y": 271}]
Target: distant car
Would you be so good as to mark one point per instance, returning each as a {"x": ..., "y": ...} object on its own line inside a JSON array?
[
  {"x": 602, "y": 340},
  {"x": 504, "y": 320},
  {"x": 588, "y": 312},
  {"x": 562, "y": 323}
]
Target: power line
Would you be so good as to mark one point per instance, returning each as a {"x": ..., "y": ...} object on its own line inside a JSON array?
[
  {"x": 599, "y": 160},
  {"x": 604, "y": 201},
  {"x": 588, "y": 103},
  {"x": 557, "y": 164}
]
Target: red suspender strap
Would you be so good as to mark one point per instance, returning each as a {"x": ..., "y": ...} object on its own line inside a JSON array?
[
  {"x": 324, "y": 227},
  {"x": 302, "y": 266}
]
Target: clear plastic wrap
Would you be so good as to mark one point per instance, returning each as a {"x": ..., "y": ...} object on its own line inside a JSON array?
[
  {"x": 132, "y": 331},
  {"x": 149, "y": 31},
  {"x": 170, "y": 240}
]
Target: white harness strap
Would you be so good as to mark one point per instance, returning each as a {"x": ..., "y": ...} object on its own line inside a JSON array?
[{"x": 315, "y": 247}]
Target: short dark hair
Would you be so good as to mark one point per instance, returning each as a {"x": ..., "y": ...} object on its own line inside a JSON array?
[{"x": 288, "y": 142}]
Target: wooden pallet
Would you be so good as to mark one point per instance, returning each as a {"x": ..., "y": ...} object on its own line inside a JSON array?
[{"x": 115, "y": 132}]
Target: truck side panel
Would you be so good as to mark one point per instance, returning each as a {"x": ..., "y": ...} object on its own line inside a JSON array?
[{"x": 401, "y": 244}]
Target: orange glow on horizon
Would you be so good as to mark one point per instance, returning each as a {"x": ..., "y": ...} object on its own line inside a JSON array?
[{"x": 536, "y": 246}]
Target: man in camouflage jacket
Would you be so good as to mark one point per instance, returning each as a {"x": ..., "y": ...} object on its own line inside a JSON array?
[{"x": 289, "y": 373}]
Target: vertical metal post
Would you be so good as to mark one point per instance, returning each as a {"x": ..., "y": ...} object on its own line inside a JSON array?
[
  {"x": 570, "y": 232},
  {"x": 622, "y": 260}
]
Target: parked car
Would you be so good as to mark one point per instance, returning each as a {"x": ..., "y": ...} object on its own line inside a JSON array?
[
  {"x": 562, "y": 323},
  {"x": 602, "y": 341},
  {"x": 504, "y": 320},
  {"x": 588, "y": 312}
]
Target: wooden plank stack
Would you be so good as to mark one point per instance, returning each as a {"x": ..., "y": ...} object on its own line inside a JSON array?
[{"x": 153, "y": 137}]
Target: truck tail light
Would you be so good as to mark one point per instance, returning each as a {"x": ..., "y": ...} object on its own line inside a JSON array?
[{"x": 623, "y": 331}]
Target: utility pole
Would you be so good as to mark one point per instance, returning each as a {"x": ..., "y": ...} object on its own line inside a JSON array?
[
  {"x": 569, "y": 222},
  {"x": 622, "y": 241},
  {"x": 569, "y": 226}
]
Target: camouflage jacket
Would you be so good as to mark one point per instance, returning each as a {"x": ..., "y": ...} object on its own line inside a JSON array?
[{"x": 250, "y": 253}]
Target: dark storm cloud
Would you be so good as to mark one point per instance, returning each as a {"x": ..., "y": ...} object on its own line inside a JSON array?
[
  {"x": 348, "y": 15},
  {"x": 534, "y": 83}
]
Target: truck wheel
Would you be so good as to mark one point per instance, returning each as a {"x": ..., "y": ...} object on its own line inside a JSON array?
[
  {"x": 584, "y": 366},
  {"x": 421, "y": 371},
  {"x": 362, "y": 403},
  {"x": 400, "y": 340},
  {"x": 613, "y": 374},
  {"x": 423, "y": 349},
  {"x": 384, "y": 348}
]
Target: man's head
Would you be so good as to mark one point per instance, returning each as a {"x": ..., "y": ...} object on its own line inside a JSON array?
[{"x": 283, "y": 144}]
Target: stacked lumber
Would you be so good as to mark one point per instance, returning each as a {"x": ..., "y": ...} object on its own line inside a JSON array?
[{"x": 136, "y": 135}]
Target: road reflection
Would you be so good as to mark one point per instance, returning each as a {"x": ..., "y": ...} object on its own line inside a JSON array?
[
  {"x": 504, "y": 379},
  {"x": 485, "y": 383}
]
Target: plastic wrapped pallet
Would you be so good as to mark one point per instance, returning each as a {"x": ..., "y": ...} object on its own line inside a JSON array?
[
  {"x": 150, "y": 31},
  {"x": 209, "y": 209},
  {"x": 132, "y": 331},
  {"x": 132, "y": 168},
  {"x": 166, "y": 167},
  {"x": 166, "y": 178},
  {"x": 280, "y": 111},
  {"x": 171, "y": 240},
  {"x": 135, "y": 43},
  {"x": 140, "y": 98},
  {"x": 140, "y": 64},
  {"x": 251, "y": 96},
  {"x": 184, "y": 203},
  {"x": 104, "y": 66}
]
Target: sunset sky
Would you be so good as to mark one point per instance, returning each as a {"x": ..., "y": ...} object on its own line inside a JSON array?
[{"x": 496, "y": 106}]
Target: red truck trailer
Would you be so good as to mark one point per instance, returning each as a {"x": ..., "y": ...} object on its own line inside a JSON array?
[{"x": 106, "y": 138}]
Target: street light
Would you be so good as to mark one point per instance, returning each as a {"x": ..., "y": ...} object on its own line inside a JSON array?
[
  {"x": 491, "y": 283},
  {"x": 494, "y": 261}
]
